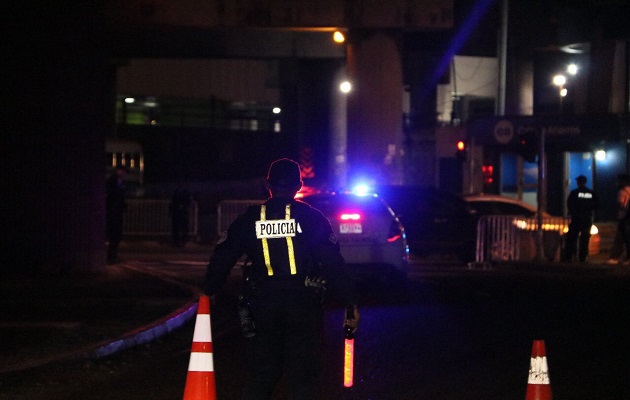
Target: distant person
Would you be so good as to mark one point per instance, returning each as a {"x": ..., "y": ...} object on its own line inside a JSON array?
[
  {"x": 622, "y": 236},
  {"x": 115, "y": 208},
  {"x": 293, "y": 250},
  {"x": 180, "y": 214},
  {"x": 581, "y": 203}
]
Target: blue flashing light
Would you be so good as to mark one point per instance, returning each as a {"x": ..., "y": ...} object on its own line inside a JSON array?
[{"x": 361, "y": 190}]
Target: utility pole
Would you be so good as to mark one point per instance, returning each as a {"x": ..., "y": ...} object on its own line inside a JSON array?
[{"x": 503, "y": 35}]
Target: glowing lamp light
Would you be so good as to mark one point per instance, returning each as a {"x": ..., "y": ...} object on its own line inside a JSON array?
[
  {"x": 276, "y": 110},
  {"x": 345, "y": 87},
  {"x": 339, "y": 37},
  {"x": 572, "y": 69},
  {"x": 600, "y": 155},
  {"x": 461, "y": 145},
  {"x": 559, "y": 80}
]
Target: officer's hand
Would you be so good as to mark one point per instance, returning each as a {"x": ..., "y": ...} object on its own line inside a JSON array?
[{"x": 352, "y": 322}]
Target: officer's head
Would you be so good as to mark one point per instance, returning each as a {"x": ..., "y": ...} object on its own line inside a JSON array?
[
  {"x": 581, "y": 180},
  {"x": 284, "y": 179}
]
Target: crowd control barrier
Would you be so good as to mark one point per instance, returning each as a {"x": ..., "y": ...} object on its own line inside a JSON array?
[
  {"x": 513, "y": 238},
  {"x": 152, "y": 217}
]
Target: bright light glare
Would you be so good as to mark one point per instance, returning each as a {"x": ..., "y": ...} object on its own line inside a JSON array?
[
  {"x": 600, "y": 155},
  {"x": 345, "y": 87},
  {"x": 563, "y": 92},
  {"x": 572, "y": 69},
  {"x": 594, "y": 230},
  {"x": 559, "y": 80},
  {"x": 361, "y": 190},
  {"x": 276, "y": 110},
  {"x": 339, "y": 37},
  {"x": 130, "y": 100}
]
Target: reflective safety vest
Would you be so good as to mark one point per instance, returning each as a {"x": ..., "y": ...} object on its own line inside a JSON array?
[{"x": 274, "y": 229}]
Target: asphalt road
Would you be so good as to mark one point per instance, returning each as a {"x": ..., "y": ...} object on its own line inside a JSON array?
[{"x": 453, "y": 334}]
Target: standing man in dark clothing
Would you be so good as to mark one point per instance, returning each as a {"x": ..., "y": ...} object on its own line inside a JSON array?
[
  {"x": 622, "y": 236},
  {"x": 180, "y": 214},
  {"x": 581, "y": 203},
  {"x": 292, "y": 250},
  {"x": 115, "y": 207}
]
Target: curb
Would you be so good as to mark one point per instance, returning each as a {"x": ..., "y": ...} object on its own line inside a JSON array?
[{"x": 138, "y": 336}]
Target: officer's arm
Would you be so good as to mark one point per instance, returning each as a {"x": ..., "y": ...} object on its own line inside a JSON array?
[{"x": 228, "y": 250}]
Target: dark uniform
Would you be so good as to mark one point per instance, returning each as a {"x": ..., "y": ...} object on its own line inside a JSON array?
[
  {"x": 286, "y": 241},
  {"x": 115, "y": 209},
  {"x": 581, "y": 203}
]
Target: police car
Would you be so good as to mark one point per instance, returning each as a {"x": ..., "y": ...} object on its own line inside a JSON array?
[{"x": 371, "y": 237}]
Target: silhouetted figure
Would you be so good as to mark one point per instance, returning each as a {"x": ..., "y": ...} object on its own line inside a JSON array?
[
  {"x": 115, "y": 207},
  {"x": 622, "y": 236},
  {"x": 581, "y": 204},
  {"x": 180, "y": 214}
]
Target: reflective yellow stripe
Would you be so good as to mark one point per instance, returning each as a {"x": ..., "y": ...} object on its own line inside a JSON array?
[
  {"x": 265, "y": 245},
  {"x": 290, "y": 243}
]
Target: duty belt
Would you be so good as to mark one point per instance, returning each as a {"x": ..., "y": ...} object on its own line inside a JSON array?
[{"x": 286, "y": 234}]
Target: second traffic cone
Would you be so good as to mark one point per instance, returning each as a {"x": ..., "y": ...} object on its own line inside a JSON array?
[
  {"x": 200, "y": 381},
  {"x": 538, "y": 386}
]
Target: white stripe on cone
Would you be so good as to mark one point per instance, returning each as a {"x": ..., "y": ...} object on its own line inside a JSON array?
[
  {"x": 201, "y": 362},
  {"x": 202, "y": 329},
  {"x": 538, "y": 371}
]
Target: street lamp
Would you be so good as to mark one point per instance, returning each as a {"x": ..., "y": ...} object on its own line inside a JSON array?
[
  {"x": 339, "y": 37},
  {"x": 560, "y": 80},
  {"x": 345, "y": 87}
]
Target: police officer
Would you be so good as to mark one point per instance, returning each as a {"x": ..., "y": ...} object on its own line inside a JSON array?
[
  {"x": 581, "y": 203},
  {"x": 292, "y": 250}
]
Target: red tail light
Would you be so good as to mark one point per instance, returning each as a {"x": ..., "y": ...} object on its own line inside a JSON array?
[{"x": 350, "y": 217}]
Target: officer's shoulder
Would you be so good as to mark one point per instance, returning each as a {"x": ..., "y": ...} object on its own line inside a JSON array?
[{"x": 304, "y": 207}]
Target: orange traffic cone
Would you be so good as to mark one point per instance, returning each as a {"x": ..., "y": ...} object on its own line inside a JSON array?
[
  {"x": 200, "y": 382},
  {"x": 538, "y": 386}
]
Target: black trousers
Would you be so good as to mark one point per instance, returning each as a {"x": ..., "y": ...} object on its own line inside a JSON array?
[
  {"x": 289, "y": 337},
  {"x": 579, "y": 231}
]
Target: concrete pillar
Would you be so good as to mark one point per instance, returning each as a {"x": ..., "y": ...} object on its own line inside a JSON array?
[
  {"x": 375, "y": 132},
  {"x": 338, "y": 131},
  {"x": 52, "y": 147}
]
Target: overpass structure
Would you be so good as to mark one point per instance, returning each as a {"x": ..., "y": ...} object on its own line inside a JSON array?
[{"x": 62, "y": 53}]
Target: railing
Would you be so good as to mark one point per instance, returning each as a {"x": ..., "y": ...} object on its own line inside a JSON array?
[
  {"x": 228, "y": 210},
  {"x": 512, "y": 238},
  {"x": 152, "y": 217}
]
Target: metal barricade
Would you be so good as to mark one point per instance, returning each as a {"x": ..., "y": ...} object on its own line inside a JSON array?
[
  {"x": 511, "y": 237},
  {"x": 228, "y": 210},
  {"x": 152, "y": 217}
]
